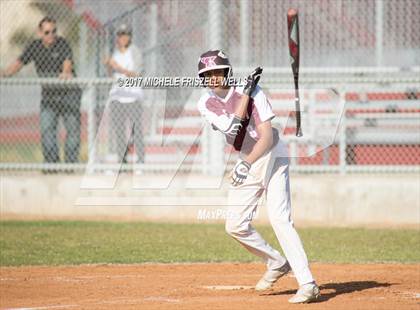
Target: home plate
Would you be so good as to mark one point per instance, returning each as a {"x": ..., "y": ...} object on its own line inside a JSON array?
[{"x": 229, "y": 287}]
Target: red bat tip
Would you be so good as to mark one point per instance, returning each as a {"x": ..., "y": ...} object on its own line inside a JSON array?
[{"x": 292, "y": 12}]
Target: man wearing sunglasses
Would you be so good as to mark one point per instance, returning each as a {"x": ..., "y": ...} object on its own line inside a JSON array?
[{"x": 53, "y": 58}]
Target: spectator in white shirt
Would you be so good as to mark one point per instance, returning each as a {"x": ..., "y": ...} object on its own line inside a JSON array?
[{"x": 125, "y": 102}]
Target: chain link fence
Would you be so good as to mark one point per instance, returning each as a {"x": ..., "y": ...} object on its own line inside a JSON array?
[{"x": 359, "y": 67}]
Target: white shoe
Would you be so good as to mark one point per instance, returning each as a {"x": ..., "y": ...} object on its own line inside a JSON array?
[
  {"x": 306, "y": 293},
  {"x": 271, "y": 276}
]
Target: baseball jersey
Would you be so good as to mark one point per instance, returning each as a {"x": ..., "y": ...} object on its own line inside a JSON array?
[{"x": 219, "y": 112}]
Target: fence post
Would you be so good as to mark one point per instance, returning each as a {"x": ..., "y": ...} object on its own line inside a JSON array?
[
  {"x": 379, "y": 20},
  {"x": 92, "y": 101},
  {"x": 343, "y": 132},
  {"x": 244, "y": 32},
  {"x": 83, "y": 60},
  {"x": 91, "y": 119},
  {"x": 215, "y": 21},
  {"x": 153, "y": 60},
  {"x": 153, "y": 36},
  {"x": 216, "y": 154}
]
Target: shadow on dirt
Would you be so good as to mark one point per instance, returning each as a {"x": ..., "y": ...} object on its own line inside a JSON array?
[{"x": 330, "y": 290}]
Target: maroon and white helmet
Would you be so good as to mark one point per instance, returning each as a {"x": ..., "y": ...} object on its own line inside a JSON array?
[{"x": 213, "y": 60}]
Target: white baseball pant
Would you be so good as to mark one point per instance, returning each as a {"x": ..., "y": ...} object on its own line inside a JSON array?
[{"x": 269, "y": 175}]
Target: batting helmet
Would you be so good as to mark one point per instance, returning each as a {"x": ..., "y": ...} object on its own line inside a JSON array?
[{"x": 213, "y": 60}]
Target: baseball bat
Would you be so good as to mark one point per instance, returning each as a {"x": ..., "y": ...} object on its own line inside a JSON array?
[{"x": 293, "y": 36}]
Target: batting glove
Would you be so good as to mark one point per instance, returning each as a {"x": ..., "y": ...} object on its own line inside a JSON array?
[
  {"x": 240, "y": 172},
  {"x": 252, "y": 81}
]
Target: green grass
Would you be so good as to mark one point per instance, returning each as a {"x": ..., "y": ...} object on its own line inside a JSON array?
[
  {"x": 64, "y": 242},
  {"x": 31, "y": 152},
  {"x": 20, "y": 152}
]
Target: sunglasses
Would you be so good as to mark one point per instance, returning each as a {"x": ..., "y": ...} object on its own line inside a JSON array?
[
  {"x": 54, "y": 31},
  {"x": 123, "y": 33}
]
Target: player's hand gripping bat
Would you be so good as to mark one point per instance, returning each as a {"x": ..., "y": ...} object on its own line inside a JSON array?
[
  {"x": 293, "y": 35},
  {"x": 252, "y": 81}
]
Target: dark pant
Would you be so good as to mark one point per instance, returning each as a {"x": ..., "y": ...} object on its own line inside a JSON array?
[
  {"x": 121, "y": 113},
  {"x": 68, "y": 107}
]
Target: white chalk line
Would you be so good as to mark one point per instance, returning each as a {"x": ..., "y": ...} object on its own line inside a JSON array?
[
  {"x": 161, "y": 298},
  {"x": 122, "y": 300},
  {"x": 228, "y": 287},
  {"x": 411, "y": 295},
  {"x": 75, "y": 278},
  {"x": 118, "y": 300}
]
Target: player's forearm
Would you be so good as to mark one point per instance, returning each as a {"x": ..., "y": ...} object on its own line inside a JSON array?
[
  {"x": 260, "y": 148},
  {"x": 242, "y": 107}
]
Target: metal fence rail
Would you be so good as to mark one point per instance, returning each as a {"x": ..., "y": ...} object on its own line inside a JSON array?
[{"x": 361, "y": 126}]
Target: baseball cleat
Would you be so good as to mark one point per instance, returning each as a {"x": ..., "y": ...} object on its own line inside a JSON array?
[
  {"x": 271, "y": 276},
  {"x": 305, "y": 294}
]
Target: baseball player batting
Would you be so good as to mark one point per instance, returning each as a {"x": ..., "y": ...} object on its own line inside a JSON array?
[{"x": 243, "y": 115}]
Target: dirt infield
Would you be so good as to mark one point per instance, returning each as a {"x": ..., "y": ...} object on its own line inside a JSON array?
[{"x": 204, "y": 286}]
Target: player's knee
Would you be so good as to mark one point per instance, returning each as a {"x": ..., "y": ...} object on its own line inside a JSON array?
[{"x": 235, "y": 229}]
